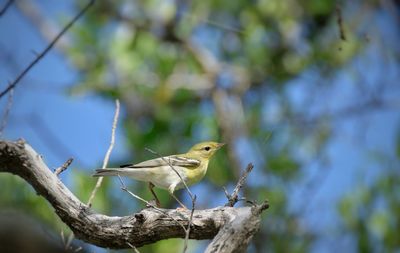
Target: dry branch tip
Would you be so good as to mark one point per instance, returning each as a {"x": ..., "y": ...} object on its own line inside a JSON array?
[
  {"x": 63, "y": 167},
  {"x": 234, "y": 197}
]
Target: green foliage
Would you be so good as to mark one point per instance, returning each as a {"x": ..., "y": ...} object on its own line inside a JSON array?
[
  {"x": 283, "y": 165},
  {"x": 372, "y": 214},
  {"x": 17, "y": 195},
  {"x": 85, "y": 184}
]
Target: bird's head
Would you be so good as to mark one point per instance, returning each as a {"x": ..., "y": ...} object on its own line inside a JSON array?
[{"x": 206, "y": 149}]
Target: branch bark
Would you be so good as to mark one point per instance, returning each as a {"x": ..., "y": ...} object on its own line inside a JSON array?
[{"x": 234, "y": 227}]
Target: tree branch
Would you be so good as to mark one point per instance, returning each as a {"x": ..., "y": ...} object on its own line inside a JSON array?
[
  {"x": 236, "y": 235},
  {"x": 233, "y": 225},
  {"x": 63, "y": 167},
  {"x": 234, "y": 197}
]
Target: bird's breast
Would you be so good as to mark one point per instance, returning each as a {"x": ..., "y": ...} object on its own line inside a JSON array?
[{"x": 195, "y": 175}]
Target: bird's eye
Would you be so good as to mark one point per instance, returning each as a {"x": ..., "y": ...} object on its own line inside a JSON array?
[{"x": 207, "y": 148}]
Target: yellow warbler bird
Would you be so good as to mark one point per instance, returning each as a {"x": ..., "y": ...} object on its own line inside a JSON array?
[{"x": 191, "y": 166}]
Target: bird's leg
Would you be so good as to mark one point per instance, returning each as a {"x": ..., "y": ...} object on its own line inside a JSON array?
[
  {"x": 151, "y": 186},
  {"x": 171, "y": 190},
  {"x": 177, "y": 200}
]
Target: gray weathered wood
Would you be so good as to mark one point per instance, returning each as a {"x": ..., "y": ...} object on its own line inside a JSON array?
[{"x": 232, "y": 227}]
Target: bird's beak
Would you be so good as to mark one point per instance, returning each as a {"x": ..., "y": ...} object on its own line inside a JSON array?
[{"x": 219, "y": 145}]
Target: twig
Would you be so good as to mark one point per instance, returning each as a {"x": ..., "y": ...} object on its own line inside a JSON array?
[
  {"x": 78, "y": 249},
  {"x": 63, "y": 167},
  {"x": 125, "y": 189},
  {"x": 63, "y": 238},
  {"x": 185, "y": 244},
  {"x": 5, "y": 7},
  {"x": 133, "y": 247},
  {"x": 46, "y": 50},
  {"x": 108, "y": 153},
  {"x": 234, "y": 197},
  {"x": 45, "y": 27},
  {"x": 339, "y": 21},
  {"x": 6, "y": 112},
  {"x": 69, "y": 241}
]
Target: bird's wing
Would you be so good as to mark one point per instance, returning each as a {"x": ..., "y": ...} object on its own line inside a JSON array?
[{"x": 175, "y": 160}]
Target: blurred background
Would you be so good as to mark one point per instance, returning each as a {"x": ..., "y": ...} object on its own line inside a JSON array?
[{"x": 307, "y": 91}]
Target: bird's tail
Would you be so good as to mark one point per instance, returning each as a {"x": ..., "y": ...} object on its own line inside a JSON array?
[
  {"x": 109, "y": 172},
  {"x": 141, "y": 174}
]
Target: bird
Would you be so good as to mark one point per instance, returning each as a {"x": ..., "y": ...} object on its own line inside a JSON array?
[{"x": 191, "y": 166}]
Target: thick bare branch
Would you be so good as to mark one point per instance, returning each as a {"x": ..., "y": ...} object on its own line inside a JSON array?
[
  {"x": 138, "y": 229},
  {"x": 236, "y": 235}
]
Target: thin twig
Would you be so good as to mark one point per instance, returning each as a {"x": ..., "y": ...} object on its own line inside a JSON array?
[
  {"x": 5, "y": 7},
  {"x": 47, "y": 49},
  {"x": 234, "y": 197},
  {"x": 187, "y": 231},
  {"x": 339, "y": 21},
  {"x": 69, "y": 241},
  {"x": 45, "y": 27},
  {"x": 78, "y": 249},
  {"x": 108, "y": 153},
  {"x": 133, "y": 247},
  {"x": 63, "y": 167},
  {"x": 6, "y": 112},
  {"x": 63, "y": 238},
  {"x": 125, "y": 189}
]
